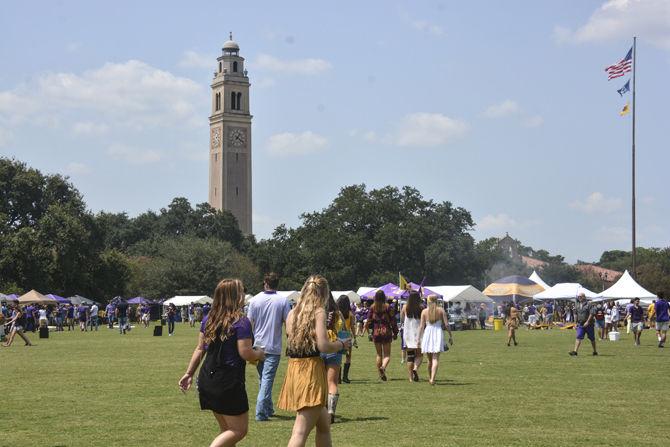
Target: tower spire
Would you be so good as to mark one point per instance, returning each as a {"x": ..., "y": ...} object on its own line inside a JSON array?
[{"x": 231, "y": 35}]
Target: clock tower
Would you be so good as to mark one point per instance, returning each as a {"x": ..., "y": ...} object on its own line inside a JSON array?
[{"x": 230, "y": 137}]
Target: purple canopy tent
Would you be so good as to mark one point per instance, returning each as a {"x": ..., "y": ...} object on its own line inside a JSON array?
[
  {"x": 425, "y": 291},
  {"x": 139, "y": 300},
  {"x": 13, "y": 297},
  {"x": 60, "y": 299},
  {"x": 394, "y": 292},
  {"x": 390, "y": 290}
]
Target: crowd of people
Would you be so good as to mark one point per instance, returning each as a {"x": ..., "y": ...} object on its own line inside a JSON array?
[
  {"x": 591, "y": 319},
  {"x": 321, "y": 332},
  {"x": 18, "y": 320}
]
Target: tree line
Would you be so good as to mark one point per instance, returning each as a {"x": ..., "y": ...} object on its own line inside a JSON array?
[{"x": 51, "y": 242}]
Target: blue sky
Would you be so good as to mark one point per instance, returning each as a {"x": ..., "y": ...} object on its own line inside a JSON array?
[{"x": 502, "y": 108}]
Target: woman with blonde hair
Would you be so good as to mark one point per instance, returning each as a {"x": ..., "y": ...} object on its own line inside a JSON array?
[
  {"x": 433, "y": 320},
  {"x": 305, "y": 387},
  {"x": 225, "y": 335}
]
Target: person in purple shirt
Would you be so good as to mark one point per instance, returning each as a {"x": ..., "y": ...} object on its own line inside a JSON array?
[
  {"x": 82, "y": 313},
  {"x": 69, "y": 320},
  {"x": 662, "y": 310},
  {"x": 221, "y": 381},
  {"x": 637, "y": 320}
]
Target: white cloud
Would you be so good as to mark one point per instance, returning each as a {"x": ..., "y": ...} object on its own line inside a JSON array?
[
  {"x": 75, "y": 168},
  {"x": 193, "y": 59},
  {"x": 73, "y": 47},
  {"x": 504, "y": 109},
  {"x": 510, "y": 108},
  {"x": 613, "y": 235},
  {"x": 596, "y": 202},
  {"x": 533, "y": 121},
  {"x": 497, "y": 222},
  {"x": 370, "y": 136},
  {"x": 89, "y": 128},
  {"x": 310, "y": 66},
  {"x": 131, "y": 94},
  {"x": 265, "y": 82},
  {"x": 428, "y": 27},
  {"x": 132, "y": 155},
  {"x": 620, "y": 19},
  {"x": 288, "y": 143},
  {"x": 428, "y": 130},
  {"x": 6, "y": 137}
]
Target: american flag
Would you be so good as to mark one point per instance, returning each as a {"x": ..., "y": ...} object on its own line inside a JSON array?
[{"x": 624, "y": 66}]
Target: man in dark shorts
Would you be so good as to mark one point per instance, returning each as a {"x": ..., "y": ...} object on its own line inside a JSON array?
[
  {"x": 584, "y": 315},
  {"x": 662, "y": 310},
  {"x": 637, "y": 320},
  {"x": 121, "y": 316}
]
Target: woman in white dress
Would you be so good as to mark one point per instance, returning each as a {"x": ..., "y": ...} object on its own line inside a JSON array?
[
  {"x": 410, "y": 317},
  {"x": 433, "y": 320},
  {"x": 43, "y": 320}
]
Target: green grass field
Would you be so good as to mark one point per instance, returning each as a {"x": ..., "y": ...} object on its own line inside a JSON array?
[{"x": 102, "y": 389}]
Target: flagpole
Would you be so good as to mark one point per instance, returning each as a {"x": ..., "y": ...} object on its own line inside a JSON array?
[{"x": 634, "y": 253}]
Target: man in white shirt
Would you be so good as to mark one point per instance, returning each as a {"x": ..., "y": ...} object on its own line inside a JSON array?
[
  {"x": 94, "y": 317},
  {"x": 267, "y": 312}
]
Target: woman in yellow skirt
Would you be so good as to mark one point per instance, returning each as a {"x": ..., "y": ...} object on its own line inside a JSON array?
[{"x": 305, "y": 388}]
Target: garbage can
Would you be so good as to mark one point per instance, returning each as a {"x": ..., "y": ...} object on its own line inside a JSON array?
[{"x": 497, "y": 324}]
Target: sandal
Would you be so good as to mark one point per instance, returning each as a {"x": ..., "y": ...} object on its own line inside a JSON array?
[{"x": 382, "y": 374}]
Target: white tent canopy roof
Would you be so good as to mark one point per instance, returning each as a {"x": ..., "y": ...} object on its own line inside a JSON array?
[
  {"x": 291, "y": 295},
  {"x": 464, "y": 294},
  {"x": 537, "y": 280},
  {"x": 186, "y": 300},
  {"x": 363, "y": 290},
  {"x": 353, "y": 296},
  {"x": 626, "y": 287},
  {"x": 564, "y": 291}
]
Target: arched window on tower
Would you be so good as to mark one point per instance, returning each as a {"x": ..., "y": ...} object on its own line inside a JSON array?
[
  {"x": 233, "y": 97},
  {"x": 235, "y": 67},
  {"x": 220, "y": 67},
  {"x": 239, "y": 101},
  {"x": 217, "y": 102}
]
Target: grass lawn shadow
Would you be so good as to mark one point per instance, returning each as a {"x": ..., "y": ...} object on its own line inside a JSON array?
[{"x": 344, "y": 420}]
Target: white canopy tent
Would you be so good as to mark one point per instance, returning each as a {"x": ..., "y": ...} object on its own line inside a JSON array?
[
  {"x": 291, "y": 295},
  {"x": 626, "y": 288},
  {"x": 564, "y": 291},
  {"x": 537, "y": 280},
  {"x": 463, "y": 294},
  {"x": 363, "y": 290},
  {"x": 186, "y": 300},
  {"x": 353, "y": 296}
]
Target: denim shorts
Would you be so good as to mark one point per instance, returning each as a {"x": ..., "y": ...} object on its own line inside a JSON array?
[
  {"x": 332, "y": 359},
  {"x": 588, "y": 331}
]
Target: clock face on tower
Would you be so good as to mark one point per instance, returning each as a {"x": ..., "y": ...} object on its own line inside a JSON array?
[
  {"x": 237, "y": 137},
  {"x": 216, "y": 137}
]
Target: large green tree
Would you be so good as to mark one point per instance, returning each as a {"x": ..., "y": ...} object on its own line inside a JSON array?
[
  {"x": 369, "y": 236},
  {"x": 164, "y": 267}
]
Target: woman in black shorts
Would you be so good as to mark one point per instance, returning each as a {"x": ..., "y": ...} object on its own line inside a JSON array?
[
  {"x": 16, "y": 325},
  {"x": 225, "y": 335}
]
